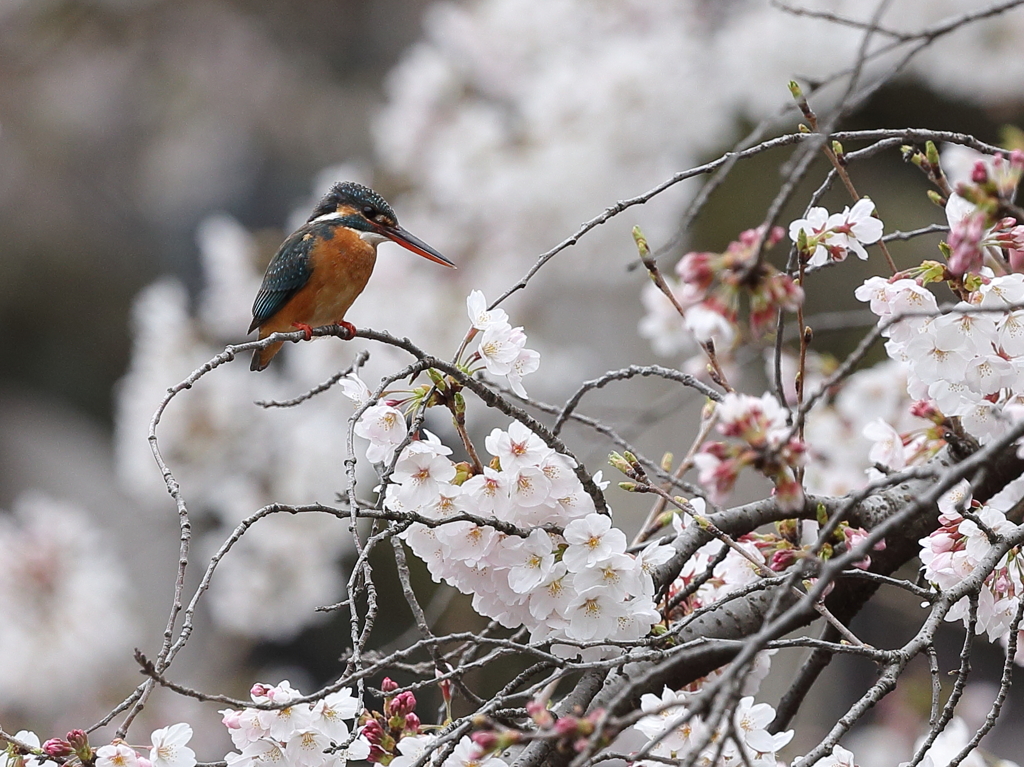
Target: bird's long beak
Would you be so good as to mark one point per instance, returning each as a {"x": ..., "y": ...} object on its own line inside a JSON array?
[{"x": 415, "y": 244}]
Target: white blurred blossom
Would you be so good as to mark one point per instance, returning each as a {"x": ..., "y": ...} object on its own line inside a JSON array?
[{"x": 65, "y": 602}]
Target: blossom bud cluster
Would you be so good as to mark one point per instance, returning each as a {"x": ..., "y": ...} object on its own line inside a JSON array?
[
  {"x": 709, "y": 289},
  {"x": 977, "y": 216},
  {"x": 384, "y": 731},
  {"x": 678, "y": 734},
  {"x": 955, "y": 550},
  {"x": 302, "y": 735},
  {"x": 568, "y": 732},
  {"x": 570, "y": 578},
  {"x": 396, "y": 740},
  {"x": 759, "y": 423},
  {"x": 822, "y": 238},
  {"x": 969, "y": 364},
  {"x": 792, "y": 538}
]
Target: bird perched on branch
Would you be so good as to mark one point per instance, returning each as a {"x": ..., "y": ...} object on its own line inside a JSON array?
[{"x": 324, "y": 265}]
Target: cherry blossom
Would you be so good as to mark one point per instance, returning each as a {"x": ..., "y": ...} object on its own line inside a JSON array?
[
  {"x": 411, "y": 748},
  {"x": 516, "y": 447},
  {"x": 499, "y": 348},
  {"x": 480, "y": 316},
  {"x": 536, "y": 558},
  {"x": 827, "y": 237},
  {"x": 591, "y": 541},
  {"x": 117, "y": 754},
  {"x": 384, "y": 426},
  {"x": 170, "y": 747}
]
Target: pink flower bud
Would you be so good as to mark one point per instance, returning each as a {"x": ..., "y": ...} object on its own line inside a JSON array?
[
  {"x": 259, "y": 691},
  {"x": 926, "y": 409},
  {"x": 388, "y": 686},
  {"x": 1016, "y": 260},
  {"x": 965, "y": 243},
  {"x": 78, "y": 739},
  {"x": 373, "y": 732},
  {"x": 486, "y": 741},
  {"x": 446, "y": 690},
  {"x": 782, "y": 559},
  {"x": 56, "y": 747},
  {"x": 979, "y": 174},
  {"x": 403, "y": 703},
  {"x": 231, "y": 719}
]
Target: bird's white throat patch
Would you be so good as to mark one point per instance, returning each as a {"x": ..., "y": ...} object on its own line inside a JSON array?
[{"x": 373, "y": 238}]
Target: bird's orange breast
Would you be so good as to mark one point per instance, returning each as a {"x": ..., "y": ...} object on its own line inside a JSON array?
[{"x": 340, "y": 267}]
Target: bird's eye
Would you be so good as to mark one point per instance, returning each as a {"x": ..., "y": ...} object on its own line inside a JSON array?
[{"x": 370, "y": 212}]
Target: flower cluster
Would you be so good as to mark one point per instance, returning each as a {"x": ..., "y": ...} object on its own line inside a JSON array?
[
  {"x": 574, "y": 582},
  {"x": 677, "y": 733},
  {"x": 708, "y": 290},
  {"x": 954, "y": 551},
  {"x": 501, "y": 349},
  {"x": 765, "y": 441},
  {"x": 821, "y": 238},
  {"x": 978, "y": 220},
  {"x": 969, "y": 364},
  {"x": 169, "y": 748},
  {"x": 303, "y": 735}
]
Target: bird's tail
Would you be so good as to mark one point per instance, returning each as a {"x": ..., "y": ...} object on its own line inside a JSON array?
[{"x": 261, "y": 357}]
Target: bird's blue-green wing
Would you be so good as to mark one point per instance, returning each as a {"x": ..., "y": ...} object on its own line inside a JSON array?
[{"x": 288, "y": 271}]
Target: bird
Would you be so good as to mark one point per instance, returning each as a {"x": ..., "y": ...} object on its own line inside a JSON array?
[{"x": 323, "y": 266}]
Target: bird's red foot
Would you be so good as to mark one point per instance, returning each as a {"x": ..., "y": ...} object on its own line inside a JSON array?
[
  {"x": 349, "y": 329},
  {"x": 307, "y": 329}
]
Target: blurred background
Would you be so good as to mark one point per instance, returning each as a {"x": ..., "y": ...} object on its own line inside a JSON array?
[{"x": 154, "y": 153}]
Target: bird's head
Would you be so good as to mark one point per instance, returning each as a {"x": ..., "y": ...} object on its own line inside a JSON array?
[{"x": 363, "y": 210}]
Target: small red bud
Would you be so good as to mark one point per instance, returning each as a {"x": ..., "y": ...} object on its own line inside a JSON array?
[
  {"x": 387, "y": 685},
  {"x": 979, "y": 174}
]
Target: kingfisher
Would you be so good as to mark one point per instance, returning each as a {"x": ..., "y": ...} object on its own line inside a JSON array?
[{"x": 322, "y": 267}]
